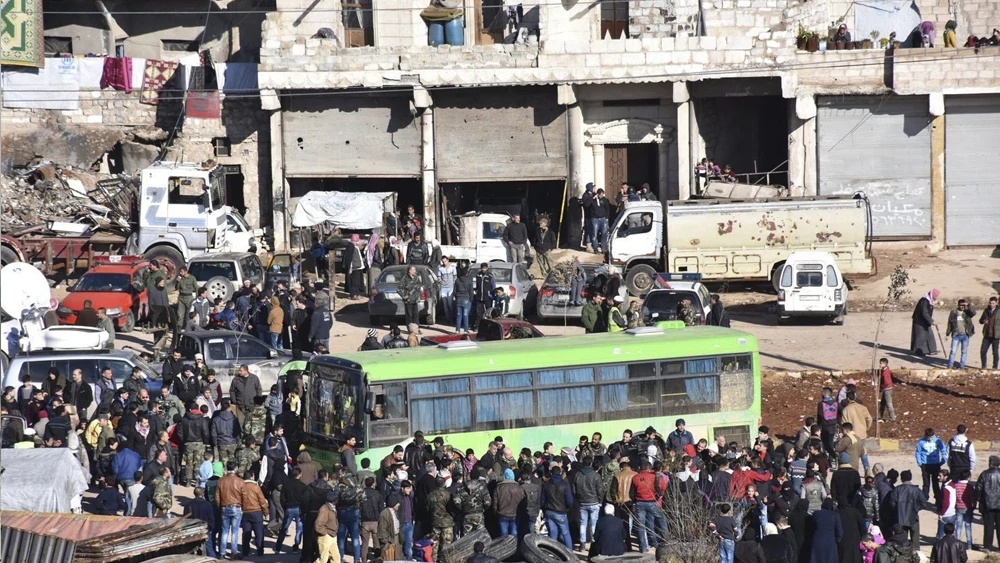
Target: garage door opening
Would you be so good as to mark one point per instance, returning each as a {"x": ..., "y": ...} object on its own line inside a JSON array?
[{"x": 530, "y": 200}]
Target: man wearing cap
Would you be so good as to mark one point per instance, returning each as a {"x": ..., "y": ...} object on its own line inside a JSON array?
[
  {"x": 615, "y": 319},
  {"x": 371, "y": 342},
  {"x": 680, "y": 437},
  {"x": 413, "y": 341}
]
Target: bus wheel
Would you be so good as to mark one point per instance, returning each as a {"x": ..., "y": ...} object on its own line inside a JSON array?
[{"x": 639, "y": 279}]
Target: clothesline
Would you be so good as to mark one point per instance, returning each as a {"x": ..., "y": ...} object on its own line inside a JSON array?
[{"x": 59, "y": 83}]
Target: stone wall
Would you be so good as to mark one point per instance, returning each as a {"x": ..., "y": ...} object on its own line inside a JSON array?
[
  {"x": 847, "y": 72},
  {"x": 105, "y": 117},
  {"x": 742, "y": 17},
  {"x": 918, "y": 71}
]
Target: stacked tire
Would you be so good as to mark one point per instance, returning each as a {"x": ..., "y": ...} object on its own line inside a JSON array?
[{"x": 501, "y": 548}]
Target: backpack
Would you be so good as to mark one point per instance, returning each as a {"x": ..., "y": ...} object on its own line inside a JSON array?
[{"x": 829, "y": 411}]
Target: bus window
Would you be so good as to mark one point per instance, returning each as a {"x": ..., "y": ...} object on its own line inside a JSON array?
[
  {"x": 333, "y": 403},
  {"x": 632, "y": 399},
  {"x": 436, "y": 414},
  {"x": 736, "y": 363},
  {"x": 569, "y": 404},
  {"x": 690, "y": 395},
  {"x": 506, "y": 408}
]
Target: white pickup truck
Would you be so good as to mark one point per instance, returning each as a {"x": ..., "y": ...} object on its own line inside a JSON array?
[{"x": 480, "y": 238}]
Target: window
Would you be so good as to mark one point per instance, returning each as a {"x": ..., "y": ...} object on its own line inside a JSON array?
[
  {"x": 186, "y": 191},
  {"x": 736, "y": 363},
  {"x": 180, "y": 45},
  {"x": 189, "y": 347},
  {"x": 119, "y": 49},
  {"x": 247, "y": 348},
  {"x": 738, "y": 434},
  {"x": 614, "y": 20},
  {"x": 217, "y": 350},
  {"x": 568, "y": 404},
  {"x": 222, "y": 146},
  {"x": 630, "y": 399},
  {"x": 38, "y": 370},
  {"x": 663, "y": 305},
  {"x": 332, "y": 403},
  {"x": 252, "y": 270},
  {"x": 493, "y": 230},
  {"x": 85, "y": 365},
  {"x": 507, "y": 407},
  {"x": 809, "y": 279},
  {"x": 58, "y": 46},
  {"x": 436, "y": 414},
  {"x": 637, "y": 224},
  {"x": 786, "y": 277},
  {"x": 390, "y": 423},
  {"x": 690, "y": 395},
  {"x": 358, "y": 28},
  {"x": 502, "y": 275},
  {"x": 204, "y": 271},
  {"x": 98, "y": 282},
  {"x": 831, "y": 277},
  {"x": 120, "y": 371}
]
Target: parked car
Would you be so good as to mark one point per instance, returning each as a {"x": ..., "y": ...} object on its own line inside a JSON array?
[
  {"x": 110, "y": 283},
  {"x": 553, "y": 297},
  {"x": 385, "y": 301},
  {"x": 489, "y": 330},
  {"x": 810, "y": 285},
  {"x": 518, "y": 284},
  {"x": 223, "y": 273},
  {"x": 90, "y": 362},
  {"x": 661, "y": 303},
  {"x": 226, "y": 350}
]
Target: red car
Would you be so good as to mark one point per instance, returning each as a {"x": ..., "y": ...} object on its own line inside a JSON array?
[{"x": 109, "y": 284}]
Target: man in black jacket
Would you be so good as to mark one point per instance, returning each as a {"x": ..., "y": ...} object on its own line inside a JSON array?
[
  {"x": 194, "y": 433},
  {"x": 483, "y": 285},
  {"x": 905, "y": 503},
  {"x": 988, "y": 487},
  {"x": 316, "y": 496},
  {"x": 948, "y": 549},
  {"x": 78, "y": 393},
  {"x": 172, "y": 367},
  {"x": 372, "y": 505},
  {"x": 416, "y": 251},
  {"x": 599, "y": 213},
  {"x": 293, "y": 495},
  {"x": 516, "y": 237}
]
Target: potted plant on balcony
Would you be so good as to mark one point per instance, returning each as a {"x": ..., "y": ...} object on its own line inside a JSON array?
[
  {"x": 801, "y": 38},
  {"x": 812, "y": 42},
  {"x": 869, "y": 43}
]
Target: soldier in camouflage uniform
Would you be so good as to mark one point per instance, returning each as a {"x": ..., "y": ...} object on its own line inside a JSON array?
[
  {"x": 686, "y": 313},
  {"x": 473, "y": 498},
  {"x": 247, "y": 456},
  {"x": 255, "y": 423},
  {"x": 163, "y": 499},
  {"x": 442, "y": 522}
]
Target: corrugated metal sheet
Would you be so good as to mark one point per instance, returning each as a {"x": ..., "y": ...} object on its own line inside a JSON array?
[
  {"x": 360, "y": 135},
  {"x": 972, "y": 138},
  {"x": 499, "y": 134},
  {"x": 881, "y": 146},
  {"x": 44, "y": 537}
]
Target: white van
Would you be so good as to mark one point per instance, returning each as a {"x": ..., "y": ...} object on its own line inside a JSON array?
[{"x": 810, "y": 285}]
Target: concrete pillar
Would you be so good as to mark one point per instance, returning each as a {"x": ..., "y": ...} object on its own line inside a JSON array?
[
  {"x": 695, "y": 143},
  {"x": 566, "y": 96},
  {"x": 685, "y": 166},
  {"x": 429, "y": 177},
  {"x": 599, "y": 168},
  {"x": 281, "y": 215},
  {"x": 663, "y": 165},
  {"x": 810, "y": 182},
  {"x": 796, "y": 153},
  {"x": 802, "y": 147},
  {"x": 937, "y": 181}
]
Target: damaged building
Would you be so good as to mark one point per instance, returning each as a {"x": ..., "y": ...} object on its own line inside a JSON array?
[
  {"x": 115, "y": 85},
  {"x": 518, "y": 106}
]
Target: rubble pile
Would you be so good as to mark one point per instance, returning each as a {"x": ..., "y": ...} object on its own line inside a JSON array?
[
  {"x": 46, "y": 194},
  {"x": 563, "y": 272}
]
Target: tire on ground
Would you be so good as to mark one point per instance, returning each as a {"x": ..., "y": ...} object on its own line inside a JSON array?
[
  {"x": 537, "y": 548},
  {"x": 502, "y": 547},
  {"x": 626, "y": 558},
  {"x": 462, "y": 548}
]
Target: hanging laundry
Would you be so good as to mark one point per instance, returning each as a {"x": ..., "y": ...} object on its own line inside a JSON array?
[
  {"x": 155, "y": 76},
  {"x": 90, "y": 72},
  {"x": 117, "y": 74},
  {"x": 203, "y": 105}
]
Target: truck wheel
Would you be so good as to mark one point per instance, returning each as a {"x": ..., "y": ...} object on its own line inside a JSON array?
[
  {"x": 169, "y": 258},
  {"x": 776, "y": 276},
  {"x": 7, "y": 256},
  {"x": 640, "y": 279},
  {"x": 219, "y": 287},
  {"x": 129, "y": 322}
]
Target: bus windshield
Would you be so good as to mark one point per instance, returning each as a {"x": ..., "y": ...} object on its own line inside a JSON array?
[{"x": 332, "y": 403}]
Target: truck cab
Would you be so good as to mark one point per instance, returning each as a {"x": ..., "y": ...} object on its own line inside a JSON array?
[
  {"x": 481, "y": 238},
  {"x": 182, "y": 212},
  {"x": 810, "y": 285},
  {"x": 635, "y": 240}
]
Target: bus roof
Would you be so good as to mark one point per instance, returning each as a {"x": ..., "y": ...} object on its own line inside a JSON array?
[{"x": 539, "y": 353}]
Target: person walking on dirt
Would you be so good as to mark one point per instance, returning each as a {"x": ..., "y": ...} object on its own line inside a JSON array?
[
  {"x": 991, "y": 334},
  {"x": 922, "y": 342},
  {"x": 960, "y": 329}
]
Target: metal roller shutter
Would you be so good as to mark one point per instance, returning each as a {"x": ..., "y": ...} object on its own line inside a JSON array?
[
  {"x": 881, "y": 146},
  {"x": 972, "y": 138},
  {"x": 499, "y": 134},
  {"x": 358, "y": 135}
]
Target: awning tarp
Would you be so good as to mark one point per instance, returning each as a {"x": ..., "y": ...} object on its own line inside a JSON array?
[
  {"x": 353, "y": 211},
  {"x": 65, "y": 480}
]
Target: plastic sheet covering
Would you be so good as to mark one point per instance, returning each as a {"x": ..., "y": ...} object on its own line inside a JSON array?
[
  {"x": 884, "y": 16},
  {"x": 22, "y": 488},
  {"x": 354, "y": 211}
]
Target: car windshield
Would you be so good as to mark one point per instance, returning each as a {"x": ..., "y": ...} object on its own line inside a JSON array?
[
  {"x": 104, "y": 282},
  {"x": 392, "y": 276},
  {"x": 664, "y": 304},
  {"x": 502, "y": 275},
  {"x": 557, "y": 277},
  {"x": 204, "y": 271},
  {"x": 150, "y": 372}
]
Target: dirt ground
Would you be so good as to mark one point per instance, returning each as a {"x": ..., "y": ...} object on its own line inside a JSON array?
[{"x": 970, "y": 397}]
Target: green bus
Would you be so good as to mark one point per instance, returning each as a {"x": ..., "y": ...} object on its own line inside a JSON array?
[{"x": 531, "y": 391}]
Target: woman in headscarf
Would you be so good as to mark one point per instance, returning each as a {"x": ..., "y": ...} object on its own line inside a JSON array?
[
  {"x": 854, "y": 528},
  {"x": 827, "y": 535},
  {"x": 922, "y": 341},
  {"x": 950, "y": 39}
]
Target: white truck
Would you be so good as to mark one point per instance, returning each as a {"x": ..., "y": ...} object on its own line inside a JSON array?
[
  {"x": 480, "y": 238},
  {"x": 181, "y": 213},
  {"x": 737, "y": 240}
]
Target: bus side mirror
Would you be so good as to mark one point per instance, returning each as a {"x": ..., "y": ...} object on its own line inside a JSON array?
[{"x": 369, "y": 402}]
